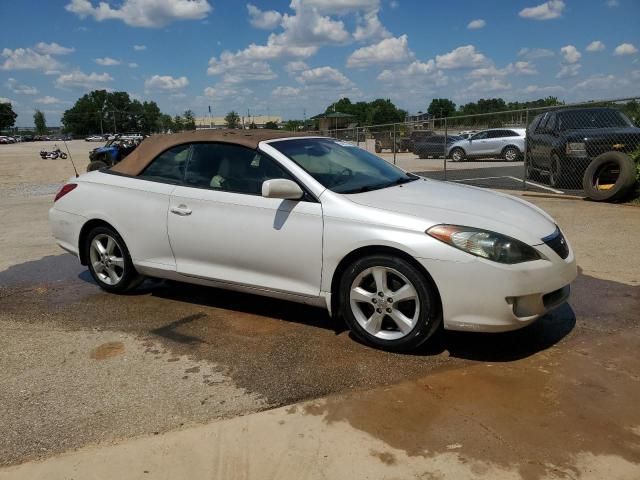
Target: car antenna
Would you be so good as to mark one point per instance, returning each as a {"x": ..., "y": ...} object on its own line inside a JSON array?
[{"x": 70, "y": 158}]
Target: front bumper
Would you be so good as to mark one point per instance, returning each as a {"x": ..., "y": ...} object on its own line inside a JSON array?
[{"x": 485, "y": 296}]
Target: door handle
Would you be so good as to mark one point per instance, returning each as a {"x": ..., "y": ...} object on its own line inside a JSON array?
[{"x": 181, "y": 210}]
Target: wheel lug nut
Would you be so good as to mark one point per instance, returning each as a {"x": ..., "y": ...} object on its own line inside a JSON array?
[
  {"x": 390, "y": 300},
  {"x": 380, "y": 294},
  {"x": 388, "y": 310},
  {"x": 374, "y": 300},
  {"x": 379, "y": 310}
]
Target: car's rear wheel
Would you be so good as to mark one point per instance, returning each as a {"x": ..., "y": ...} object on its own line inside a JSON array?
[
  {"x": 96, "y": 165},
  {"x": 511, "y": 154},
  {"x": 457, "y": 155},
  {"x": 109, "y": 261},
  {"x": 388, "y": 303}
]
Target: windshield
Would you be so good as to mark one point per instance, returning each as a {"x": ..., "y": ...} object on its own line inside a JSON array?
[
  {"x": 341, "y": 167},
  {"x": 581, "y": 119}
]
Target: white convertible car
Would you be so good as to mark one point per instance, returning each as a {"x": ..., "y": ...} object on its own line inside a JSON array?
[{"x": 318, "y": 221}]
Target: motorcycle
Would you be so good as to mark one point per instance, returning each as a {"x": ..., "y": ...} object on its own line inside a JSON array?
[{"x": 53, "y": 154}]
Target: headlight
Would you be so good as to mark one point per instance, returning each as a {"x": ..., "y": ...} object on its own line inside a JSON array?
[
  {"x": 485, "y": 244},
  {"x": 576, "y": 148}
]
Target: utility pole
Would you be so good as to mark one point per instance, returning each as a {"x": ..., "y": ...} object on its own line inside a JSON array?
[{"x": 115, "y": 129}]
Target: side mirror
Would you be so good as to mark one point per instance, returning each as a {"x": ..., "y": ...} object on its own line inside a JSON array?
[{"x": 281, "y": 188}]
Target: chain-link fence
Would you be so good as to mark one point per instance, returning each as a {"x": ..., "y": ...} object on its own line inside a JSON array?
[{"x": 545, "y": 149}]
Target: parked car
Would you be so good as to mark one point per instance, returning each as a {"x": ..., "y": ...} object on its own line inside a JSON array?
[
  {"x": 4, "y": 140},
  {"x": 95, "y": 138},
  {"x": 317, "y": 221},
  {"x": 407, "y": 143},
  {"x": 507, "y": 143},
  {"x": 562, "y": 144},
  {"x": 434, "y": 145},
  {"x": 384, "y": 141}
]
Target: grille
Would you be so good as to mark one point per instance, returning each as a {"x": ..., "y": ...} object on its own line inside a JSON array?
[{"x": 557, "y": 243}]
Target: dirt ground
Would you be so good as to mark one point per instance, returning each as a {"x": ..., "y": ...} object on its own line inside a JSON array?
[{"x": 82, "y": 369}]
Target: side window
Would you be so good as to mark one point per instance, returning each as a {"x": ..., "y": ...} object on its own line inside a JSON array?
[
  {"x": 169, "y": 166},
  {"x": 495, "y": 134},
  {"x": 231, "y": 168},
  {"x": 480, "y": 136},
  {"x": 551, "y": 123},
  {"x": 534, "y": 124},
  {"x": 543, "y": 123}
]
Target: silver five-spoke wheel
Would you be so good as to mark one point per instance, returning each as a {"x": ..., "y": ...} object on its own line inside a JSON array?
[
  {"x": 384, "y": 302},
  {"x": 107, "y": 259}
]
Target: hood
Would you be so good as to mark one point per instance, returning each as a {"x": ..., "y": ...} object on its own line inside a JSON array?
[{"x": 438, "y": 202}]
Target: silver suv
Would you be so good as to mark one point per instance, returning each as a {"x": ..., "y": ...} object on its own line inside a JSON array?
[{"x": 507, "y": 143}]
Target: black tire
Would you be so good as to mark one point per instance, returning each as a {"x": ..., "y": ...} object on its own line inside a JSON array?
[
  {"x": 556, "y": 171},
  {"x": 511, "y": 154},
  {"x": 96, "y": 165},
  {"x": 620, "y": 169},
  {"x": 457, "y": 154},
  {"x": 130, "y": 278},
  {"x": 63, "y": 156},
  {"x": 429, "y": 317}
]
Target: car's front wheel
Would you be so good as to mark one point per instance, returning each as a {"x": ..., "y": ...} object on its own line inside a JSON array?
[
  {"x": 511, "y": 154},
  {"x": 109, "y": 261},
  {"x": 388, "y": 303},
  {"x": 457, "y": 154}
]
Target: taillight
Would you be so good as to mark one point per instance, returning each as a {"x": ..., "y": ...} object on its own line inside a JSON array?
[{"x": 66, "y": 188}]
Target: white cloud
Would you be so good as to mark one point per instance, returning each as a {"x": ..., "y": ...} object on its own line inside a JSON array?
[
  {"x": 142, "y": 13},
  {"x": 13, "y": 85},
  {"x": 545, "y": 11},
  {"x": 296, "y": 66},
  {"x": 79, "y": 79},
  {"x": 461, "y": 57},
  {"x": 48, "y": 100},
  {"x": 625, "y": 49},
  {"x": 534, "y": 53},
  {"x": 487, "y": 85},
  {"x": 53, "y": 49},
  {"x": 107, "y": 61},
  {"x": 517, "y": 68},
  {"x": 264, "y": 19},
  {"x": 389, "y": 50},
  {"x": 601, "y": 82},
  {"x": 415, "y": 77},
  {"x": 139, "y": 48},
  {"x": 595, "y": 46},
  {"x": 324, "y": 76},
  {"x": 476, "y": 24},
  {"x": 340, "y": 7},
  {"x": 570, "y": 54},
  {"x": 133, "y": 65},
  {"x": 28, "y": 59},
  {"x": 285, "y": 92},
  {"x": 370, "y": 28},
  {"x": 544, "y": 90},
  {"x": 223, "y": 92},
  {"x": 238, "y": 68},
  {"x": 570, "y": 70},
  {"x": 8, "y": 100},
  {"x": 165, "y": 82}
]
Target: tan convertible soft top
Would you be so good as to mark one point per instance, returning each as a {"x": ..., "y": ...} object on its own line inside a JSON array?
[{"x": 153, "y": 146}]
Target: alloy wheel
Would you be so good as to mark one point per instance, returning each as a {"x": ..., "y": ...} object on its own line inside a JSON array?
[
  {"x": 385, "y": 303},
  {"x": 107, "y": 259}
]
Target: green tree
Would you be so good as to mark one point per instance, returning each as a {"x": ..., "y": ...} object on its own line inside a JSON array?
[
  {"x": 252, "y": 125},
  {"x": 166, "y": 122},
  {"x": 384, "y": 111},
  {"x": 271, "y": 125},
  {"x": 441, "y": 107},
  {"x": 40, "y": 122},
  {"x": 232, "y": 119},
  {"x": 178, "y": 123},
  {"x": 7, "y": 116},
  {"x": 293, "y": 125},
  {"x": 189, "y": 120}
]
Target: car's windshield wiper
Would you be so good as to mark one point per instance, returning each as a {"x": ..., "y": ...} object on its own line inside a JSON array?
[{"x": 368, "y": 188}]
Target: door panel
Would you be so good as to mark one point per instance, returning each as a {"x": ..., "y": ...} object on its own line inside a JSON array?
[{"x": 247, "y": 239}]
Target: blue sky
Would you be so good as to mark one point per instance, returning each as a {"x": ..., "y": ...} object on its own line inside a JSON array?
[{"x": 293, "y": 57}]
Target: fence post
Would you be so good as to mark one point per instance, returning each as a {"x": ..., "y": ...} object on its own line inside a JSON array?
[
  {"x": 526, "y": 148},
  {"x": 394, "y": 143},
  {"x": 445, "y": 149}
]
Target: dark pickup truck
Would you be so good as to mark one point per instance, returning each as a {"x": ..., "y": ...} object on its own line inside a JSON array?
[{"x": 563, "y": 143}]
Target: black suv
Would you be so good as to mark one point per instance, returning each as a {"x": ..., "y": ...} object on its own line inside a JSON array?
[{"x": 563, "y": 143}]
